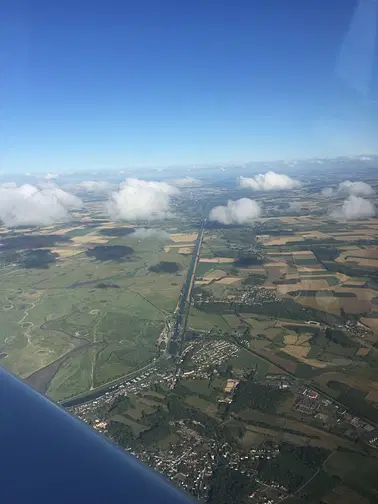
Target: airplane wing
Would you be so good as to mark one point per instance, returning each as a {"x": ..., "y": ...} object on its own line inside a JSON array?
[{"x": 49, "y": 457}]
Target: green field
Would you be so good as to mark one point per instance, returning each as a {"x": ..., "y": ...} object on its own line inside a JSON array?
[
  {"x": 82, "y": 322},
  {"x": 357, "y": 471}
]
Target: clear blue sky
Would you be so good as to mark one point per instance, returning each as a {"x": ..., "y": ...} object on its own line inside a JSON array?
[{"x": 116, "y": 83}]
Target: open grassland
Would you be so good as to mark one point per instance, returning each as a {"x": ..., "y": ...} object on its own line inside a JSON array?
[
  {"x": 82, "y": 322},
  {"x": 360, "y": 382},
  {"x": 357, "y": 471},
  {"x": 280, "y": 424}
]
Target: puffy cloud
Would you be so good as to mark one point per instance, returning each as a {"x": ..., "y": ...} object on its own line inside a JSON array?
[
  {"x": 144, "y": 233},
  {"x": 186, "y": 182},
  {"x": 67, "y": 199},
  {"x": 269, "y": 181},
  {"x": 241, "y": 211},
  {"x": 328, "y": 192},
  {"x": 355, "y": 188},
  {"x": 354, "y": 207},
  {"x": 8, "y": 185},
  {"x": 30, "y": 205},
  {"x": 94, "y": 186},
  {"x": 50, "y": 176},
  {"x": 348, "y": 188},
  {"x": 141, "y": 200},
  {"x": 295, "y": 206}
]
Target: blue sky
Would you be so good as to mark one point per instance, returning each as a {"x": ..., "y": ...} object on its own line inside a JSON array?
[{"x": 114, "y": 84}]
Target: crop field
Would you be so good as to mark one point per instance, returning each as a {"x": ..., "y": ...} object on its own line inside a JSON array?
[
  {"x": 87, "y": 318},
  {"x": 308, "y": 267},
  {"x": 360, "y": 382}
]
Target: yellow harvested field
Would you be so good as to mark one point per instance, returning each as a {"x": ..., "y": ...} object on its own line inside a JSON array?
[
  {"x": 217, "y": 260},
  {"x": 371, "y": 263},
  {"x": 282, "y": 240},
  {"x": 285, "y": 288},
  {"x": 327, "y": 304},
  {"x": 310, "y": 284},
  {"x": 351, "y": 237},
  {"x": 299, "y": 324},
  {"x": 318, "y": 275},
  {"x": 183, "y": 237},
  {"x": 290, "y": 276},
  {"x": 229, "y": 280},
  {"x": 372, "y": 396},
  {"x": 348, "y": 247},
  {"x": 111, "y": 225},
  {"x": 203, "y": 282},
  {"x": 296, "y": 351},
  {"x": 290, "y": 339},
  {"x": 66, "y": 252},
  {"x": 343, "y": 278},
  {"x": 186, "y": 250},
  {"x": 315, "y": 234},
  {"x": 270, "y": 286},
  {"x": 356, "y": 251},
  {"x": 355, "y": 232},
  {"x": 66, "y": 230},
  {"x": 289, "y": 220},
  {"x": 178, "y": 245},
  {"x": 352, "y": 282},
  {"x": 293, "y": 350},
  {"x": 275, "y": 265},
  {"x": 372, "y": 323},
  {"x": 281, "y": 254},
  {"x": 303, "y": 338},
  {"x": 306, "y": 253},
  {"x": 89, "y": 238},
  {"x": 363, "y": 351},
  {"x": 215, "y": 274},
  {"x": 303, "y": 269}
]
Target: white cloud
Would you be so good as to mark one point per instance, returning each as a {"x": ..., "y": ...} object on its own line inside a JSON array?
[
  {"x": 29, "y": 204},
  {"x": 269, "y": 181},
  {"x": 8, "y": 185},
  {"x": 354, "y": 207},
  {"x": 144, "y": 233},
  {"x": 348, "y": 188},
  {"x": 356, "y": 188},
  {"x": 328, "y": 192},
  {"x": 241, "y": 211},
  {"x": 50, "y": 176},
  {"x": 94, "y": 186},
  {"x": 141, "y": 200},
  {"x": 295, "y": 206},
  {"x": 186, "y": 182}
]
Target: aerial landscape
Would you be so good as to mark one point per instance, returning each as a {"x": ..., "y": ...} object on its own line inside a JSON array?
[
  {"x": 231, "y": 341},
  {"x": 189, "y": 251}
]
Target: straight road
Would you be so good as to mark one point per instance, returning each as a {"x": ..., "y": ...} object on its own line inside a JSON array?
[{"x": 185, "y": 297}]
